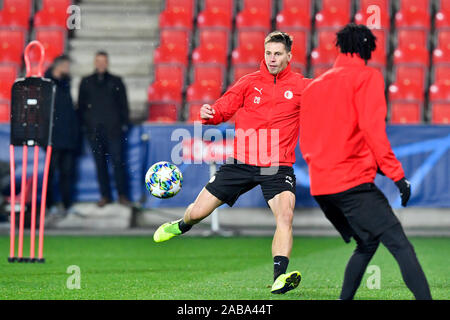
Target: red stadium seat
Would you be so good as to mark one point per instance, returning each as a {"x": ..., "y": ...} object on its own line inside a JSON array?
[
  {"x": 287, "y": 20},
  {"x": 440, "y": 113},
  {"x": 441, "y": 73},
  {"x": 213, "y": 47},
  {"x": 54, "y": 41},
  {"x": 181, "y": 6},
  {"x": 15, "y": 13},
  {"x": 160, "y": 112},
  {"x": 171, "y": 75},
  {"x": 208, "y": 83},
  {"x": 263, "y": 5},
  {"x": 164, "y": 91},
  {"x": 415, "y": 55},
  {"x": 412, "y": 47},
  {"x": 442, "y": 20},
  {"x": 172, "y": 54},
  {"x": 218, "y": 37},
  {"x": 242, "y": 55},
  {"x": 443, "y": 15},
  {"x": 413, "y": 13},
  {"x": 12, "y": 42},
  {"x": 56, "y": 4},
  {"x": 298, "y": 67},
  {"x": 299, "y": 46},
  {"x": 300, "y": 7},
  {"x": 442, "y": 52},
  {"x": 194, "y": 112},
  {"x": 205, "y": 94},
  {"x": 210, "y": 54},
  {"x": 326, "y": 51},
  {"x": 220, "y": 5},
  {"x": 216, "y": 13},
  {"x": 253, "y": 18},
  {"x": 174, "y": 17},
  {"x": 209, "y": 18},
  {"x": 367, "y": 13},
  {"x": 334, "y": 13},
  {"x": 295, "y": 14},
  {"x": 250, "y": 39},
  {"x": 326, "y": 38},
  {"x": 250, "y": 49},
  {"x": 379, "y": 56},
  {"x": 407, "y": 37},
  {"x": 209, "y": 75},
  {"x": 406, "y": 112},
  {"x": 50, "y": 19},
  {"x": 174, "y": 38},
  {"x": 4, "y": 111},
  {"x": 409, "y": 84},
  {"x": 53, "y": 13},
  {"x": 8, "y": 74},
  {"x": 240, "y": 71},
  {"x": 440, "y": 91}
]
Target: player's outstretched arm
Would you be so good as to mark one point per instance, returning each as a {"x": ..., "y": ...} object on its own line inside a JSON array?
[
  {"x": 227, "y": 105},
  {"x": 207, "y": 112}
]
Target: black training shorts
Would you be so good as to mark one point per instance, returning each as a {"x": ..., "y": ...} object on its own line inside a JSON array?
[
  {"x": 362, "y": 211},
  {"x": 233, "y": 180}
]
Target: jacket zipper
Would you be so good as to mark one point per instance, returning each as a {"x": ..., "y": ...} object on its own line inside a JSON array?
[{"x": 269, "y": 134}]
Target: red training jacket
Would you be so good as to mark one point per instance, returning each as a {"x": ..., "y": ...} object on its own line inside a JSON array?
[
  {"x": 267, "y": 110},
  {"x": 343, "y": 132}
]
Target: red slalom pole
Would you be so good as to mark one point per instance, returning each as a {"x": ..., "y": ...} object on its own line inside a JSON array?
[
  {"x": 43, "y": 203},
  {"x": 22, "y": 199},
  {"x": 33, "y": 202},
  {"x": 12, "y": 231}
]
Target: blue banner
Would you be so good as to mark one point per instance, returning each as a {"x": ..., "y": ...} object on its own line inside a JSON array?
[{"x": 423, "y": 150}]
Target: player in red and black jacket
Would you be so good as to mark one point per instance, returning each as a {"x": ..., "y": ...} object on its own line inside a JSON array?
[
  {"x": 267, "y": 105},
  {"x": 343, "y": 140}
]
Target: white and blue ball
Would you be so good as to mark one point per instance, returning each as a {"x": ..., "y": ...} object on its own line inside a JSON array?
[{"x": 163, "y": 179}]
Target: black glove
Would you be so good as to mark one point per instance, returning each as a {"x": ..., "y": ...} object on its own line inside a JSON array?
[{"x": 404, "y": 186}]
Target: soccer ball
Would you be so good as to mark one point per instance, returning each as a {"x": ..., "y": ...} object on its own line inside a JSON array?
[{"x": 163, "y": 179}]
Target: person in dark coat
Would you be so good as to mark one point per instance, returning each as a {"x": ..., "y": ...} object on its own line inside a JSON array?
[
  {"x": 103, "y": 106},
  {"x": 65, "y": 134}
]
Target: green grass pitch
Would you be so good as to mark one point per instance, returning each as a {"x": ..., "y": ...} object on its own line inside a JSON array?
[{"x": 125, "y": 267}]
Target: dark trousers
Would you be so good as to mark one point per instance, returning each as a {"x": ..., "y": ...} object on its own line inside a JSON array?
[
  {"x": 62, "y": 161},
  {"x": 103, "y": 147},
  {"x": 395, "y": 240},
  {"x": 364, "y": 213}
]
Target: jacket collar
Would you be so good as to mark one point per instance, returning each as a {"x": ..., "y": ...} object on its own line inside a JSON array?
[
  {"x": 266, "y": 74},
  {"x": 346, "y": 59}
]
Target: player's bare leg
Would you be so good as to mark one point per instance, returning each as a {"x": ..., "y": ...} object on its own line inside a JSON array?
[
  {"x": 201, "y": 208},
  {"x": 282, "y": 206}
]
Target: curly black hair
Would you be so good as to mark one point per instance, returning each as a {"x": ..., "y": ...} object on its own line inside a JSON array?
[{"x": 356, "y": 38}]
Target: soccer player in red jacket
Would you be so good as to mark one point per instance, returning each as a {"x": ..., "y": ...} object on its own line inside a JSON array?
[
  {"x": 267, "y": 105},
  {"x": 343, "y": 140}
]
